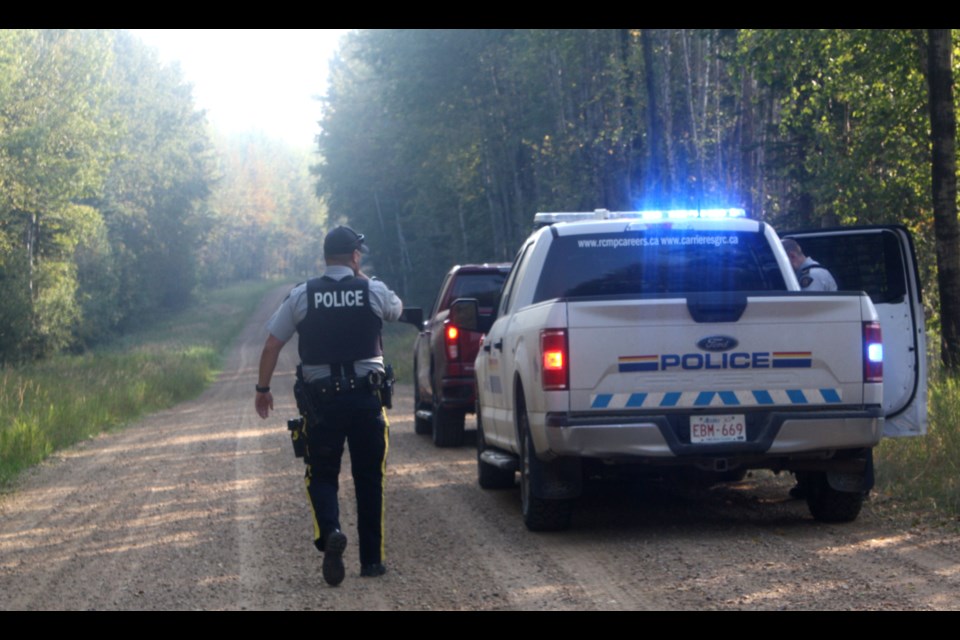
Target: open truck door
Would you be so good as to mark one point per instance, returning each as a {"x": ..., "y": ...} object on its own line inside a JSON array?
[{"x": 882, "y": 262}]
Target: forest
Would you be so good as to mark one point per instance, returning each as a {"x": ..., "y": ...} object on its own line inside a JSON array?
[
  {"x": 440, "y": 145},
  {"x": 117, "y": 202}
]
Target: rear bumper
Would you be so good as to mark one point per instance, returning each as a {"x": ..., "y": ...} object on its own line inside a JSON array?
[
  {"x": 665, "y": 437},
  {"x": 458, "y": 393}
]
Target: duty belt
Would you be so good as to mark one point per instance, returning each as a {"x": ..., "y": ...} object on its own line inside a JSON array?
[{"x": 326, "y": 388}]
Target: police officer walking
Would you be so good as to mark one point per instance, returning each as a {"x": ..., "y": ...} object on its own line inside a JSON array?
[{"x": 338, "y": 318}]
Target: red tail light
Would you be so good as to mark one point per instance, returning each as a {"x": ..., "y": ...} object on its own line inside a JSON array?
[
  {"x": 452, "y": 339},
  {"x": 554, "y": 359},
  {"x": 872, "y": 352}
]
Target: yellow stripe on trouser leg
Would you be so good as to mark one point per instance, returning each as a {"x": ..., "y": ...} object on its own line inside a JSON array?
[
  {"x": 383, "y": 484},
  {"x": 306, "y": 485},
  {"x": 313, "y": 514}
]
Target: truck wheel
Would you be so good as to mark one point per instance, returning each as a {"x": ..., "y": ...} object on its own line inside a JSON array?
[
  {"x": 489, "y": 476},
  {"x": 421, "y": 426},
  {"x": 447, "y": 426},
  {"x": 827, "y": 504},
  {"x": 539, "y": 514}
]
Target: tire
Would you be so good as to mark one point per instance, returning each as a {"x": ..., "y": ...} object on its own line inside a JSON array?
[
  {"x": 826, "y": 504},
  {"x": 489, "y": 476},
  {"x": 447, "y": 426},
  {"x": 421, "y": 426},
  {"x": 539, "y": 514}
]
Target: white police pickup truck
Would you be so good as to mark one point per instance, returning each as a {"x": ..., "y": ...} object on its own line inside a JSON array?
[{"x": 646, "y": 340}]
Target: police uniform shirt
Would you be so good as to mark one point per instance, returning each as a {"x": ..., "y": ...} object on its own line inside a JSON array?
[
  {"x": 283, "y": 324},
  {"x": 814, "y": 277}
]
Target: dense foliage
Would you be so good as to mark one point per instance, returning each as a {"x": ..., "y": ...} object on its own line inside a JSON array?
[
  {"x": 114, "y": 202},
  {"x": 267, "y": 220},
  {"x": 103, "y": 172},
  {"x": 442, "y": 144}
]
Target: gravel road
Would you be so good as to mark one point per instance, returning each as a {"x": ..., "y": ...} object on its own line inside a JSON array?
[{"x": 203, "y": 507}]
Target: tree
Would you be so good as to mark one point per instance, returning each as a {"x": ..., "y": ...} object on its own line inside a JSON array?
[
  {"x": 943, "y": 134},
  {"x": 154, "y": 201},
  {"x": 54, "y": 155},
  {"x": 266, "y": 218}
]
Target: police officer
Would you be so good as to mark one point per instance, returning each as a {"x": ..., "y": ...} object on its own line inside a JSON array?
[
  {"x": 811, "y": 274},
  {"x": 338, "y": 318}
]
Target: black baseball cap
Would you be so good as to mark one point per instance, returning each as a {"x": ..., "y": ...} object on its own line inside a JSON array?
[{"x": 343, "y": 240}]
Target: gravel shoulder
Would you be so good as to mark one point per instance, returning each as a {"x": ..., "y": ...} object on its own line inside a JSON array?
[{"x": 203, "y": 507}]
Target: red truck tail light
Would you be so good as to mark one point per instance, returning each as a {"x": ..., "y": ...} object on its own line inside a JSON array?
[
  {"x": 872, "y": 352},
  {"x": 554, "y": 359},
  {"x": 451, "y": 338}
]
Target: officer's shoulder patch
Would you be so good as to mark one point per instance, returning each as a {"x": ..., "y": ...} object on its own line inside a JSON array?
[{"x": 806, "y": 281}]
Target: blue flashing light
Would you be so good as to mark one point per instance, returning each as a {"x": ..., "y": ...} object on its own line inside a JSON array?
[
  {"x": 689, "y": 214},
  {"x": 723, "y": 213},
  {"x": 875, "y": 352},
  {"x": 545, "y": 218}
]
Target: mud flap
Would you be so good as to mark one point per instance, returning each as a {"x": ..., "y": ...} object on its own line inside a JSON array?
[
  {"x": 559, "y": 479},
  {"x": 846, "y": 482}
]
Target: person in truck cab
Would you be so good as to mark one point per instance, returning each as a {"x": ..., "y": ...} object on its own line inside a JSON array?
[{"x": 812, "y": 275}]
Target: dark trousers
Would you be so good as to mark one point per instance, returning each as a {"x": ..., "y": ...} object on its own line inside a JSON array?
[{"x": 356, "y": 417}]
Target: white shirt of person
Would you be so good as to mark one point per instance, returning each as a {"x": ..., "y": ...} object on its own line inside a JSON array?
[{"x": 814, "y": 277}]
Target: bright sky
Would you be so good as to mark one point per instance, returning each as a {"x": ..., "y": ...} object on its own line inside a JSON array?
[{"x": 253, "y": 79}]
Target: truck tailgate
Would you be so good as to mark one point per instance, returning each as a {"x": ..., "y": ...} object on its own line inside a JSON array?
[{"x": 784, "y": 350}]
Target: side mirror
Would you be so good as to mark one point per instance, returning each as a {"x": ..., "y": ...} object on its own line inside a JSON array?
[
  {"x": 412, "y": 315},
  {"x": 465, "y": 313}
]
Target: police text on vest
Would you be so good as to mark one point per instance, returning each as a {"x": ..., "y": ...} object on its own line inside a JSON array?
[{"x": 338, "y": 299}]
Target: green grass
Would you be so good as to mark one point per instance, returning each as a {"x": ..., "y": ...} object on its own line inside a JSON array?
[
  {"x": 55, "y": 403},
  {"x": 925, "y": 471},
  {"x": 398, "y": 339}
]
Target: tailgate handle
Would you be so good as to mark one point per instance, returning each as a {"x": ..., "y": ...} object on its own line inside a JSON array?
[
  {"x": 498, "y": 345},
  {"x": 716, "y": 307}
]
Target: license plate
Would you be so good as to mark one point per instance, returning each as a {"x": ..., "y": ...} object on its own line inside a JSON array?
[{"x": 711, "y": 429}]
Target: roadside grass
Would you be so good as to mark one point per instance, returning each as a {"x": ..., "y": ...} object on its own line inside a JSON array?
[
  {"x": 925, "y": 471},
  {"x": 398, "y": 339},
  {"x": 55, "y": 403}
]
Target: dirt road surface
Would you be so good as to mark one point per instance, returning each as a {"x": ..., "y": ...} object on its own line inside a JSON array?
[{"x": 203, "y": 507}]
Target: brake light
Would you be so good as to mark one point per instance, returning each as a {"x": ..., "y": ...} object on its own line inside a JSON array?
[
  {"x": 451, "y": 338},
  {"x": 554, "y": 359},
  {"x": 872, "y": 352}
]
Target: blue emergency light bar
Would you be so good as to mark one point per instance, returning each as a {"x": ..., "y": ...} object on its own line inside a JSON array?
[{"x": 542, "y": 219}]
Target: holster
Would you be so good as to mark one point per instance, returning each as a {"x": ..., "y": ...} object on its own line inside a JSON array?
[
  {"x": 308, "y": 415},
  {"x": 386, "y": 388}
]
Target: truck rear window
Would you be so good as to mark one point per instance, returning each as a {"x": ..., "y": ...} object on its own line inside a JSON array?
[
  {"x": 658, "y": 262},
  {"x": 485, "y": 287},
  {"x": 863, "y": 261}
]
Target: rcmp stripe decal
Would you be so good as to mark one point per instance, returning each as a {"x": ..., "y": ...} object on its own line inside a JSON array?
[
  {"x": 638, "y": 363},
  {"x": 792, "y": 360},
  {"x": 728, "y": 398}
]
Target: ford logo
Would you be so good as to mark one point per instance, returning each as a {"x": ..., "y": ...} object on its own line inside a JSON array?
[{"x": 717, "y": 343}]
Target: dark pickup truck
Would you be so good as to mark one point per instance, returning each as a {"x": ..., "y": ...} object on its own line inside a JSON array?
[{"x": 444, "y": 385}]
